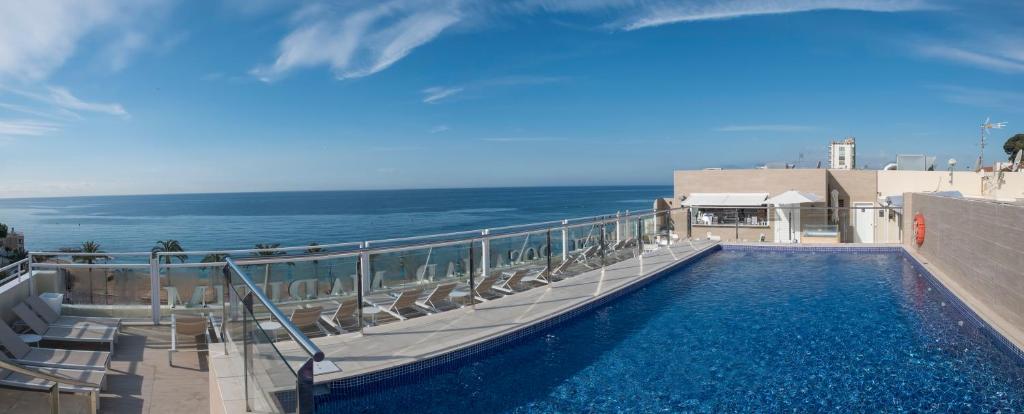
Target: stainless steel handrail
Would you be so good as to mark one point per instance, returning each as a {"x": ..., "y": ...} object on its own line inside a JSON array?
[{"x": 286, "y": 322}]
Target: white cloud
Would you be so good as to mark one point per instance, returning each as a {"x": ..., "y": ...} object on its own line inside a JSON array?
[
  {"x": 662, "y": 13},
  {"x": 524, "y": 139},
  {"x": 62, "y": 98},
  {"x": 38, "y": 36},
  {"x": 360, "y": 38},
  {"x": 767, "y": 128},
  {"x": 1008, "y": 60},
  {"x": 357, "y": 42},
  {"x": 435, "y": 94},
  {"x": 26, "y": 128}
]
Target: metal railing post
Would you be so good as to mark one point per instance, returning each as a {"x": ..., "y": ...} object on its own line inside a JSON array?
[
  {"x": 549, "y": 252},
  {"x": 618, "y": 227},
  {"x": 603, "y": 263},
  {"x": 304, "y": 388},
  {"x": 364, "y": 273},
  {"x": 640, "y": 236},
  {"x": 565, "y": 240},
  {"x": 485, "y": 259},
  {"x": 227, "y": 307},
  {"x": 154, "y": 287},
  {"x": 246, "y": 341},
  {"x": 472, "y": 284},
  {"x": 31, "y": 280}
]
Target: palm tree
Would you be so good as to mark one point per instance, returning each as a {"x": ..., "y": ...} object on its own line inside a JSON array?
[
  {"x": 214, "y": 258},
  {"x": 267, "y": 250},
  {"x": 170, "y": 246},
  {"x": 92, "y": 247}
]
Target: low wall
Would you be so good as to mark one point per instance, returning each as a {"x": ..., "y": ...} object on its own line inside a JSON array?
[
  {"x": 14, "y": 292},
  {"x": 978, "y": 247}
]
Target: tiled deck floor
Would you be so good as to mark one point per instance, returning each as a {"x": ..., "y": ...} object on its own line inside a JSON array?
[
  {"x": 396, "y": 344},
  {"x": 139, "y": 380}
]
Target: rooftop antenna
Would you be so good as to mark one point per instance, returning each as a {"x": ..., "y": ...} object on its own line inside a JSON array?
[{"x": 987, "y": 125}]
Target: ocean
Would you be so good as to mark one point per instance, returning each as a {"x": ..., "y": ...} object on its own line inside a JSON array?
[{"x": 240, "y": 220}]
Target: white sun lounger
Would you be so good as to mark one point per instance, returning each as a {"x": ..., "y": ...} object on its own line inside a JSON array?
[
  {"x": 514, "y": 283},
  {"x": 485, "y": 288},
  {"x": 346, "y": 311},
  {"x": 53, "y": 319},
  {"x": 406, "y": 300},
  {"x": 308, "y": 319},
  {"x": 47, "y": 357},
  {"x": 63, "y": 333},
  {"x": 189, "y": 327},
  {"x": 440, "y": 294}
]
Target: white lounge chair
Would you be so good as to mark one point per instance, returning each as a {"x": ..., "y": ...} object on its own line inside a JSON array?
[
  {"x": 53, "y": 319},
  {"x": 484, "y": 289},
  {"x": 63, "y": 333},
  {"x": 308, "y": 319},
  {"x": 438, "y": 297},
  {"x": 47, "y": 357},
  {"x": 96, "y": 380},
  {"x": 346, "y": 311},
  {"x": 394, "y": 307},
  {"x": 189, "y": 327},
  {"x": 514, "y": 283}
]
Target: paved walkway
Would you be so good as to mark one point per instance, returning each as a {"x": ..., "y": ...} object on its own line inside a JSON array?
[
  {"x": 139, "y": 381},
  {"x": 396, "y": 344}
]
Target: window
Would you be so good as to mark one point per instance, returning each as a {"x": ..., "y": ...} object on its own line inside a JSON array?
[{"x": 748, "y": 216}]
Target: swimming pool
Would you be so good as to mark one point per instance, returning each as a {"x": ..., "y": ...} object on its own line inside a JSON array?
[{"x": 739, "y": 331}]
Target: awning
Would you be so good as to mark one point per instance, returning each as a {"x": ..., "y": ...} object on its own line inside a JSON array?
[
  {"x": 794, "y": 197},
  {"x": 726, "y": 199}
]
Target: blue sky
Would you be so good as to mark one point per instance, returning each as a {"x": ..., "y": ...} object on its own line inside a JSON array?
[{"x": 165, "y": 96}]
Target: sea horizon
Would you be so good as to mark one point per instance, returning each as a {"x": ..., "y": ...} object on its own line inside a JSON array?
[{"x": 238, "y": 220}]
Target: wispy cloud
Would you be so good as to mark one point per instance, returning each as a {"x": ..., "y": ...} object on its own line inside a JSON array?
[
  {"x": 360, "y": 38},
  {"x": 1008, "y": 60},
  {"x": 61, "y": 98},
  {"x": 439, "y": 129},
  {"x": 982, "y": 98},
  {"x": 524, "y": 139},
  {"x": 662, "y": 13},
  {"x": 767, "y": 128},
  {"x": 36, "y": 37},
  {"x": 435, "y": 94},
  {"x": 355, "y": 41},
  {"x": 23, "y": 127}
]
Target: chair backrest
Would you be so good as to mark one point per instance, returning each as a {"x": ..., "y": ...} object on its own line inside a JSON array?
[
  {"x": 346, "y": 309},
  {"x": 42, "y": 309},
  {"x": 486, "y": 284},
  {"x": 304, "y": 317},
  {"x": 30, "y": 318},
  {"x": 441, "y": 292},
  {"x": 188, "y": 325},
  {"x": 9, "y": 339},
  {"x": 407, "y": 299}
]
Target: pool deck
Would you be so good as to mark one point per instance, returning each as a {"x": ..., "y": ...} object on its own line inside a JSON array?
[{"x": 397, "y": 344}]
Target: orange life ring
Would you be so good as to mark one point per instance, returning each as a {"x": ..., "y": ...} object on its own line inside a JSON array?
[{"x": 919, "y": 228}]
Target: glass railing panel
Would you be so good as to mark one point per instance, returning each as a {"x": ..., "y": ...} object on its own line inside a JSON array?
[{"x": 439, "y": 273}]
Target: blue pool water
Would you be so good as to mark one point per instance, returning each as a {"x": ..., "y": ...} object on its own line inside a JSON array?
[
  {"x": 240, "y": 220},
  {"x": 740, "y": 332}
]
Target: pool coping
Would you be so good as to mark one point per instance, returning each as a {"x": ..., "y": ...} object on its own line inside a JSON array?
[
  {"x": 399, "y": 374},
  {"x": 1002, "y": 340}
]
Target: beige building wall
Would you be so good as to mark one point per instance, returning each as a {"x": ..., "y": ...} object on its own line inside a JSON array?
[
  {"x": 979, "y": 248},
  {"x": 1006, "y": 186},
  {"x": 772, "y": 182}
]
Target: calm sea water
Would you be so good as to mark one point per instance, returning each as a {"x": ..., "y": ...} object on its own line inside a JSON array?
[
  {"x": 744, "y": 332},
  {"x": 221, "y": 221}
]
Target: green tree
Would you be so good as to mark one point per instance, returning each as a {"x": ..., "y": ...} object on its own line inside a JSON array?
[
  {"x": 92, "y": 255},
  {"x": 3, "y": 230},
  {"x": 1014, "y": 144},
  {"x": 170, "y": 246},
  {"x": 214, "y": 258},
  {"x": 267, "y": 250}
]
